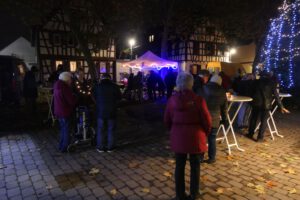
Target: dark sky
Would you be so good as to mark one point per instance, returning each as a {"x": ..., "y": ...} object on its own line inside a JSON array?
[{"x": 11, "y": 29}]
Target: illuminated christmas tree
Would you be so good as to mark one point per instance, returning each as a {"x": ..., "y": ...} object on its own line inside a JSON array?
[{"x": 281, "y": 50}]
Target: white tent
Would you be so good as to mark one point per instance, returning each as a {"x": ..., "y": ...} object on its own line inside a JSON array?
[{"x": 150, "y": 61}]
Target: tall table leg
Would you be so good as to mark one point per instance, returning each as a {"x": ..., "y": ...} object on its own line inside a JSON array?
[{"x": 230, "y": 128}]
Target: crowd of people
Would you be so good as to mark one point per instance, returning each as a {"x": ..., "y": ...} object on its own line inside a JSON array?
[
  {"x": 154, "y": 84},
  {"x": 198, "y": 106}
]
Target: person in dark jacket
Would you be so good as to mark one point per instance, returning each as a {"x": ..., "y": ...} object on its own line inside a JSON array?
[
  {"x": 189, "y": 122},
  {"x": 106, "y": 94},
  {"x": 264, "y": 91},
  {"x": 151, "y": 85},
  {"x": 204, "y": 76},
  {"x": 64, "y": 106},
  {"x": 138, "y": 85},
  {"x": 216, "y": 99},
  {"x": 170, "y": 82},
  {"x": 161, "y": 86},
  {"x": 30, "y": 89}
]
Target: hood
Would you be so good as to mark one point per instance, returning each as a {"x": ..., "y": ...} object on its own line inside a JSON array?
[{"x": 183, "y": 99}]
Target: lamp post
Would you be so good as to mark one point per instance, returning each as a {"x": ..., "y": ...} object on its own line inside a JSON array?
[
  {"x": 232, "y": 51},
  {"x": 131, "y": 44}
]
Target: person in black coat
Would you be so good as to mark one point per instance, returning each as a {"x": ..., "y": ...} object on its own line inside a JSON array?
[
  {"x": 170, "y": 82},
  {"x": 216, "y": 100},
  {"x": 106, "y": 94},
  {"x": 151, "y": 85},
  {"x": 264, "y": 91},
  {"x": 30, "y": 89}
]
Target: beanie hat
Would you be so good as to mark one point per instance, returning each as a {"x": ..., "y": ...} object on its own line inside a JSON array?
[
  {"x": 65, "y": 76},
  {"x": 216, "y": 79}
]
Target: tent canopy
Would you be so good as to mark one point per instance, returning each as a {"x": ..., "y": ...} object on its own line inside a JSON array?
[{"x": 150, "y": 61}]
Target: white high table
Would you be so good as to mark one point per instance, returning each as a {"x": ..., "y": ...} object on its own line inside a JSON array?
[
  {"x": 271, "y": 114},
  {"x": 233, "y": 99},
  {"x": 48, "y": 93}
]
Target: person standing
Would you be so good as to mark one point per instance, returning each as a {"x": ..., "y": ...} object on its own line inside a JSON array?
[
  {"x": 189, "y": 122},
  {"x": 264, "y": 90},
  {"x": 216, "y": 99},
  {"x": 151, "y": 85},
  {"x": 64, "y": 105},
  {"x": 30, "y": 89},
  {"x": 106, "y": 94},
  {"x": 170, "y": 82}
]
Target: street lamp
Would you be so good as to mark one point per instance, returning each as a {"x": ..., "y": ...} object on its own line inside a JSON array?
[
  {"x": 131, "y": 43},
  {"x": 232, "y": 51}
]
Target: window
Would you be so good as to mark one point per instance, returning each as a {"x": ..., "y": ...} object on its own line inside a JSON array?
[
  {"x": 196, "y": 48},
  {"x": 58, "y": 62},
  {"x": 209, "y": 49},
  {"x": 73, "y": 66},
  {"x": 176, "y": 50},
  {"x": 151, "y": 38}
]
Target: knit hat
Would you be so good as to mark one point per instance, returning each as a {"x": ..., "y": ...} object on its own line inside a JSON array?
[
  {"x": 216, "y": 79},
  {"x": 65, "y": 76}
]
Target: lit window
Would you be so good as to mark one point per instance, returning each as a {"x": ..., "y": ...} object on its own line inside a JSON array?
[
  {"x": 73, "y": 66},
  {"x": 151, "y": 38},
  {"x": 58, "y": 62}
]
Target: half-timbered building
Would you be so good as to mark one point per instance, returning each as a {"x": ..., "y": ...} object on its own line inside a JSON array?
[
  {"x": 55, "y": 45},
  {"x": 207, "y": 44}
]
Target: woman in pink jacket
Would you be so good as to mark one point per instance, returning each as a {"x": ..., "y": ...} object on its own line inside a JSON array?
[{"x": 188, "y": 119}]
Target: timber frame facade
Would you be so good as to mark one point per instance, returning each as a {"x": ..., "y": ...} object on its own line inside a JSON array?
[
  {"x": 55, "y": 44},
  {"x": 207, "y": 44}
]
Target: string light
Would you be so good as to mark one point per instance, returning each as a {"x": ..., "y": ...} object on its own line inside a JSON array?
[{"x": 280, "y": 50}]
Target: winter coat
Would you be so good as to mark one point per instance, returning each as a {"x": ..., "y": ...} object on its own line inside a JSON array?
[
  {"x": 64, "y": 100},
  {"x": 107, "y": 94},
  {"x": 264, "y": 91},
  {"x": 216, "y": 99},
  {"x": 189, "y": 122}
]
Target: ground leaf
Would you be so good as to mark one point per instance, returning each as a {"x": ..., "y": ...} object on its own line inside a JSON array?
[
  {"x": 168, "y": 174},
  {"x": 146, "y": 190},
  {"x": 203, "y": 178},
  {"x": 133, "y": 165},
  {"x": 94, "y": 171},
  {"x": 265, "y": 155},
  {"x": 220, "y": 190},
  {"x": 293, "y": 191},
  {"x": 113, "y": 192},
  {"x": 229, "y": 157},
  {"x": 260, "y": 189},
  {"x": 261, "y": 179},
  {"x": 283, "y": 165},
  {"x": 171, "y": 161},
  {"x": 271, "y": 172},
  {"x": 289, "y": 170},
  {"x": 251, "y": 185},
  {"x": 271, "y": 184}
]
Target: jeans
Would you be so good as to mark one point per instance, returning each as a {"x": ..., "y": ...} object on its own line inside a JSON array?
[
  {"x": 212, "y": 148},
  {"x": 194, "y": 176},
  {"x": 64, "y": 134},
  {"x": 263, "y": 116},
  {"x": 111, "y": 124}
]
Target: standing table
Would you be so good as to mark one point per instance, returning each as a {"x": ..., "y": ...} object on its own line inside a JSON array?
[
  {"x": 48, "y": 93},
  {"x": 272, "y": 125},
  {"x": 233, "y": 99}
]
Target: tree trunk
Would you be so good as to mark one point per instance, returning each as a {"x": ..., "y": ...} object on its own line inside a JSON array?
[{"x": 258, "y": 46}]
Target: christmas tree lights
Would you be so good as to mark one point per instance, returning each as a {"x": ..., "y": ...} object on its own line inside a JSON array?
[{"x": 282, "y": 44}]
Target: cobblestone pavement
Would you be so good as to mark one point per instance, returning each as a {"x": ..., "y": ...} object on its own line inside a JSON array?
[{"x": 31, "y": 168}]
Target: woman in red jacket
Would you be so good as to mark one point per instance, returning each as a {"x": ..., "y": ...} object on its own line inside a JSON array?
[{"x": 189, "y": 122}]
